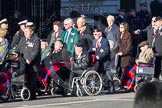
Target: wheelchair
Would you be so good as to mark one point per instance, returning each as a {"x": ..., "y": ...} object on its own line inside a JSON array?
[
  {"x": 14, "y": 88},
  {"x": 135, "y": 75},
  {"x": 18, "y": 89},
  {"x": 144, "y": 73},
  {"x": 92, "y": 82},
  {"x": 89, "y": 83}
]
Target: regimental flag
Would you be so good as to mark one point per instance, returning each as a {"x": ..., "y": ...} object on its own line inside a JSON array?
[
  {"x": 45, "y": 73},
  {"x": 128, "y": 77},
  {"x": 4, "y": 83}
]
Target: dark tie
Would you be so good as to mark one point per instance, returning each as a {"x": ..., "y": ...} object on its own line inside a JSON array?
[{"x": 66, "y": 37}]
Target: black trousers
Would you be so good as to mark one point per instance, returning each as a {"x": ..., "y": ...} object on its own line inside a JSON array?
[
  {"x": 74, "y": 73},
  {"x": 158, "y": 66},
  {"x": 109, "y": 74},
  {"x": 120, "y": 71},
  {"x": 31, "y": 80}
]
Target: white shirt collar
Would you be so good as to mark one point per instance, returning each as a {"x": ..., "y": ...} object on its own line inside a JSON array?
[
  {"x": 99, "y": 40},
  {"x": 79, "y": 54},
  {"x": 121, "y": 16},
  {"x": 69, "y": 30}
]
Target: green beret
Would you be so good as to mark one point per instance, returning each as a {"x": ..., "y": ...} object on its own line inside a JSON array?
[{"x": 13, "y": 50}]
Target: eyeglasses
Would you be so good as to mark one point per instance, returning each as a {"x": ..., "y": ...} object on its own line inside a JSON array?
[{"x": 94, "y": 34}]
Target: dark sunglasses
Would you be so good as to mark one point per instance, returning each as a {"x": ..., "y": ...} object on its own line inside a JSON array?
[{"x": 12, "y": 54}]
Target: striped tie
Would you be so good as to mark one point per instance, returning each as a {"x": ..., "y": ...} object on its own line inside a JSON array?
[{"x": 97, "y": 44}]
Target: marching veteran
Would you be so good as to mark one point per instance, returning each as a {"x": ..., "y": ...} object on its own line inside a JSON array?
[{"x": 29, "y": 47}]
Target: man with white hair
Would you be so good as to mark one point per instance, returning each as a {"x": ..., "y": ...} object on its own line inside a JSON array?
[
  {"x": 111, "y": 34},
  {"x": 82, "y": 27},
  {"x": 85, "y": 33},
  {"x": 69, "y": 36}
]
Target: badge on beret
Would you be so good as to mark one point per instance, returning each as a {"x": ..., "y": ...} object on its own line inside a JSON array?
[
  {"x": 71, "y": 40},
  {"x": 101, "y": 50}
]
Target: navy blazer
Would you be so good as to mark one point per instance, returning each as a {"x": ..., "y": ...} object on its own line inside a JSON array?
[{"x": 103, "y": 52}]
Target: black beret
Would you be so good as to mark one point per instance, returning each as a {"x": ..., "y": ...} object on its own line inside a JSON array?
[
  {"x": 97, "y": 30},
  {"x": 158, "y": 18}
]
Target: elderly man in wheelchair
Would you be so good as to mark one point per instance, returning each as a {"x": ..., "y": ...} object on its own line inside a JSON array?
[
  {"x": 78, "y": 65},
  {"x": 14, "y": 70},
  {"x": 82, "y": 76}
]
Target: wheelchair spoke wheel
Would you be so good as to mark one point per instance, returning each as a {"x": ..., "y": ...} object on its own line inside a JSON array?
[
  {"x": 136, "y": 88},
  {"x": 53, "y": 91},
  {"x": 92, "y": 83},
  {"x": 25, "y": 94},
  {"x": 116, "y": 84}
]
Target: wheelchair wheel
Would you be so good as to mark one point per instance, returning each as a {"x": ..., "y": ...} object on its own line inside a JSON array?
[
  {"x": 53, "y": 91},
  {"x": 25, "y": 94},
  {"x": 92, "y": 83},
  {"x": 116, "y": 82},
  {"x": 136, "y": 88}
]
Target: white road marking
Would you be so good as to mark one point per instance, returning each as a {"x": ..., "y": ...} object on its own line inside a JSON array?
[{"x": 75, "y": 102}]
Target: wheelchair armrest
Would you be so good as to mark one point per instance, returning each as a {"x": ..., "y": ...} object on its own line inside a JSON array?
[{"x": 145, "y": 65}]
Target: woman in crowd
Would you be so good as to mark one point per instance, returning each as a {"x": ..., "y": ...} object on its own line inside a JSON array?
[
  {"x": 125, "y": 48},
  {"x": 55, "y": 34}
]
